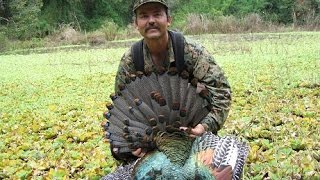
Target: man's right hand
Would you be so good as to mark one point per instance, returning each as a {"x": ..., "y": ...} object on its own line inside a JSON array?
[
  {"x": 222, "y": 173},
  {"x": 138, "y": 152}
]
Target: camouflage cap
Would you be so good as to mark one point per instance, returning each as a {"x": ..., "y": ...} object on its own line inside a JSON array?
[{"x": 139, "y": 3}]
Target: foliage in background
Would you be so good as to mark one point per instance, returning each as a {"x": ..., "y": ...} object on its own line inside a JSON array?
[
  {"x": 26, "y": 19},
  {"x": 85, "y": 14},
  {"x": 39, "y": 18},
  {"x": 52, "y": 106},
  {"x": 283, "y": 11},
  {"x": 4, "y": 42},
  {"x": 55, "y": 13}
]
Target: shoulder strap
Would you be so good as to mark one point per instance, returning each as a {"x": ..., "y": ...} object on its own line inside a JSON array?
[
  {"x": 137, "y": 55},
  {"x": 178, "y": 50}
]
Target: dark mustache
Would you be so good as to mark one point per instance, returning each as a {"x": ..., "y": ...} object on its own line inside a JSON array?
[{"x": 151, "y": 27}]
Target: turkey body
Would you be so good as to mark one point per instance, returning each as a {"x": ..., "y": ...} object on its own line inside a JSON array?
[
  {"x": 177, "y": 158},
  {"x": 147, "y": 114}
]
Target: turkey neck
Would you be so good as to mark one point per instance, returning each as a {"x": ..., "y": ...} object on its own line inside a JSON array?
[{"x": 176, "y": 146}]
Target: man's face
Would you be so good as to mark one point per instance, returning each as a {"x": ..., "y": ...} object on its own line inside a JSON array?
[{"x": 152, "y": 20}]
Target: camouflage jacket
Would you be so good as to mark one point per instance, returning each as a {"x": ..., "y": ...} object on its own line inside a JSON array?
[{"x": 203, "y": 66}]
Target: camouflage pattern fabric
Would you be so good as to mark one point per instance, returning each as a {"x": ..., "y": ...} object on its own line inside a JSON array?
[
  {"x": 138, "y": 3},
  {"x": 199, "y": 62}
]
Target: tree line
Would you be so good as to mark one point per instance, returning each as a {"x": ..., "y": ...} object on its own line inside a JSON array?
[{"x": 25, "y": 19}]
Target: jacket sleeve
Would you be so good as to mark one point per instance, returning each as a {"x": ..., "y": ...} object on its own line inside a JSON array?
[{"x": 204, "y": 67}]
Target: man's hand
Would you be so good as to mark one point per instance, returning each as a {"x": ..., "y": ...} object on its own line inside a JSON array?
[
  {"x": 222, "y": 173},
  {"x": 196, "y": 131},
  {"x": 206, "y": 157},
  {"x": 138, "y": 152}
]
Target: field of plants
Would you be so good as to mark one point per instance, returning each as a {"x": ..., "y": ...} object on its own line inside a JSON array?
[{"x": 51, "y": 106}]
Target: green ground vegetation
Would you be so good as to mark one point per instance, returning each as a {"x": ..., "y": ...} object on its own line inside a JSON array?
[{"x": 52, "y": 106}]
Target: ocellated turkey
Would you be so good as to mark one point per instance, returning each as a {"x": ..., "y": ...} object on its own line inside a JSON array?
[{"x": 147, "y": 113}]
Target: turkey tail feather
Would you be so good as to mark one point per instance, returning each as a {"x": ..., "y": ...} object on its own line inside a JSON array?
[{"x": 148, "y": 103}]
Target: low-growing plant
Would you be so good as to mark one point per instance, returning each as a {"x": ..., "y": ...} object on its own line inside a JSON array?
[
  {"x": 199, "y": 24},
  {"x": 226, "y": 24},
  {"x": 110, "y": 30},
  {"x": 130, "y": 32},
  {"x": 253, "y": 23},
  {"x": 96, "y": 38},
  {"x": 4, "y": 42}
]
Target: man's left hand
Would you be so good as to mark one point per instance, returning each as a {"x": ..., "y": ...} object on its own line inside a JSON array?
[{"x": 196, "y": 131}]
